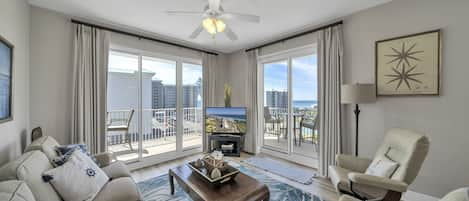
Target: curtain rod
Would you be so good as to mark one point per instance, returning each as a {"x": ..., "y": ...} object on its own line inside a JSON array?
[
  {"x": 296, "y": 35},
  {"x": 139, "y": 36}
]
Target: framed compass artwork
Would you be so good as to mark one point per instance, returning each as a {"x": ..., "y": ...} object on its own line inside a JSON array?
[{"x": 409, "y": 65}]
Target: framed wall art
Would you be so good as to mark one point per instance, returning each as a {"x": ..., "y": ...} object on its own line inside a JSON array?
[
  {"x": 409, "y": 65},
  {"x": 6, "y": 76}
]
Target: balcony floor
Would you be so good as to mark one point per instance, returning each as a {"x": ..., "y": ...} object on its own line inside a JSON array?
[
  {"x": 153, "y": 147},
  {"x": 306, "y": 148}
]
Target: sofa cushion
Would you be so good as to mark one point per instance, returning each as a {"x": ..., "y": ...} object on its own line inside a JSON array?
[
  {"x": 88, "y": 178},
  {"x": 120, "y": 189},
  {"x": 14, "y": 190},
  {"x": 29, "y": 168},
  {"x": 46, "y": 144},
  {"x": 116, "y": 169}
]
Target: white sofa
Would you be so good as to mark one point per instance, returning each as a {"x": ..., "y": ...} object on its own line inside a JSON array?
[
  {"x": 29, "y": 167},
  {"x": 14, "y": 190}
]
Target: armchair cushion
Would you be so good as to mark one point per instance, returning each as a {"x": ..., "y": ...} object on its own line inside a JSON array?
[
  {"x": 461, "y": 194},
  {"x": 347, "y": 198},
  {"x": 352, "y": 163},
  {"x": 379, "y": 182},
  {"x": 340, "y": 180}
]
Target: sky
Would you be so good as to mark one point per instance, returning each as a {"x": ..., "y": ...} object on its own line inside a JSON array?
[
  {"x": 304, "y": 73},
  {"x": 304, "y": 77},
  {"x": 165, "y": 70}
]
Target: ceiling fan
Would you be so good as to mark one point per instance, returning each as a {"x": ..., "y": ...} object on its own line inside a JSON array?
[{"x": 214, "y": 17}]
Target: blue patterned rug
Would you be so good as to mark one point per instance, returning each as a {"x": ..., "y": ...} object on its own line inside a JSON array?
[{"x": 157, "y": 189}]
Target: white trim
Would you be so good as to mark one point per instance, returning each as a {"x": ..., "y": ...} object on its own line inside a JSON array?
[
  {"x": 414, "y": 196},
  {"x": 307, "y": 49}
]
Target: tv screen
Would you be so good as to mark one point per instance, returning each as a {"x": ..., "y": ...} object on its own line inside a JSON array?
[{"x": 225, "y": 120}]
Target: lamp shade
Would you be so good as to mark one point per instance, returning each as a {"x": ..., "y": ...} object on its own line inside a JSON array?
[{"x": 358, "y": 93}]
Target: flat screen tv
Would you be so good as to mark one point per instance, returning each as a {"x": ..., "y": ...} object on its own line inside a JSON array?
[{"x": 225, "y": 120}]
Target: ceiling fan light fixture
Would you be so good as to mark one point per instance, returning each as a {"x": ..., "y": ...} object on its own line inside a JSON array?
[
  {"x": 220, "y": 26},
  {"x": 213, "y": 25}
]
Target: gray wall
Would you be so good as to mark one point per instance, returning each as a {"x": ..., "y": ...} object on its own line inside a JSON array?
[
  {"x": 51, "y": 73},
  {"x": 445, "y": 118},
  {"x": 14, "y": 26}
]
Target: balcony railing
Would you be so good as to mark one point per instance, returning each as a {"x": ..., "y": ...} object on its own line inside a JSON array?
[{"x": 157, "y": 124}]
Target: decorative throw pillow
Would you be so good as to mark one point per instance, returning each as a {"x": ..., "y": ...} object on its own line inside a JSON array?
[
  {"x": 382, "y": 167},
  {"x": 78, "y": 179}
]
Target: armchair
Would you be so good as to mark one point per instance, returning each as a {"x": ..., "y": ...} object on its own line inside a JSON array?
[{"x": 405, "y": 147}]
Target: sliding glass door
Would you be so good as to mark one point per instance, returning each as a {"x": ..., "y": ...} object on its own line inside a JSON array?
[
  {"x": 288, "y": 83},
  {"x": 154, "y": 106}
]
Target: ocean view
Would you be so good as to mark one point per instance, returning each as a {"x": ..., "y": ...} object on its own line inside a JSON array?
[{"x": 304, "y": 103}]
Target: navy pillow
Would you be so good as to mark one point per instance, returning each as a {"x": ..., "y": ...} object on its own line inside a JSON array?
[{"x": 65, "y": 151}]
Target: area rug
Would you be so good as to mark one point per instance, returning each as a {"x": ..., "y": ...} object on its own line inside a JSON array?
[
  {"x": 157, "y": 189},
  {"x": 284, "y": 169}
]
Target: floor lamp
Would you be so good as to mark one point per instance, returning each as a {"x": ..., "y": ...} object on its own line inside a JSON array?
[{"x": 357, "y": 94}]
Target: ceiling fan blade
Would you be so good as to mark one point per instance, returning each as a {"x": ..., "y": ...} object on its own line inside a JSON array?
[
  {"x": 214, "y": 5},
  {"x": 196, "y": 32},
  {"x": 231, "y": 34},
  {"x": 242, "y": 17},
  {"x": 190, "y": 13}
]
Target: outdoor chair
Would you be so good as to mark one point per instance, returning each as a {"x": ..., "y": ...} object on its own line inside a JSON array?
[{"x": 121, "y": 125}]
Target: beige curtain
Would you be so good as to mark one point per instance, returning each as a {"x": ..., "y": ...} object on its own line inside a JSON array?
[
  {"x": 91, "y": 49},
  {"x": 209, "y": 63},
  {"x": 330, "y": 56},
  {"x": 250, "y": 140}
]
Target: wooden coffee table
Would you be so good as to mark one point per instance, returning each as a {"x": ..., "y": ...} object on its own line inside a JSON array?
[{"x": 243, "y": 188}]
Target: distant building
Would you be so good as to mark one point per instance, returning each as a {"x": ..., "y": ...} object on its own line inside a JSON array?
[
  {"x": 164, "y": 96},
  {"x": 277, "y": 99}
]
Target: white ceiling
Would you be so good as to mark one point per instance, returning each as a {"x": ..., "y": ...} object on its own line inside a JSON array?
[{"x": 278, "y": 17}]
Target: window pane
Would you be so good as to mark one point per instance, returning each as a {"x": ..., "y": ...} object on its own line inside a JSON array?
[
  {"x": 304, "y": 104},
  {"x": 122, "y": 98},
  {"x": 159, "y": 106},
  {"x": 192, "y": 105},
  {"x": 276, "y": 104}
]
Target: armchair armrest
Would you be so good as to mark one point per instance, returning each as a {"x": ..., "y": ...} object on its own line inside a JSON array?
[
  {"x": 379, "y": 182},
  {"x": 353, "y": 163},
  {"x": 104, "y": 159}
]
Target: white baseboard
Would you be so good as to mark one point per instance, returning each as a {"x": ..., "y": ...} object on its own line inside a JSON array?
[{"x": 414, "y": 196}]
